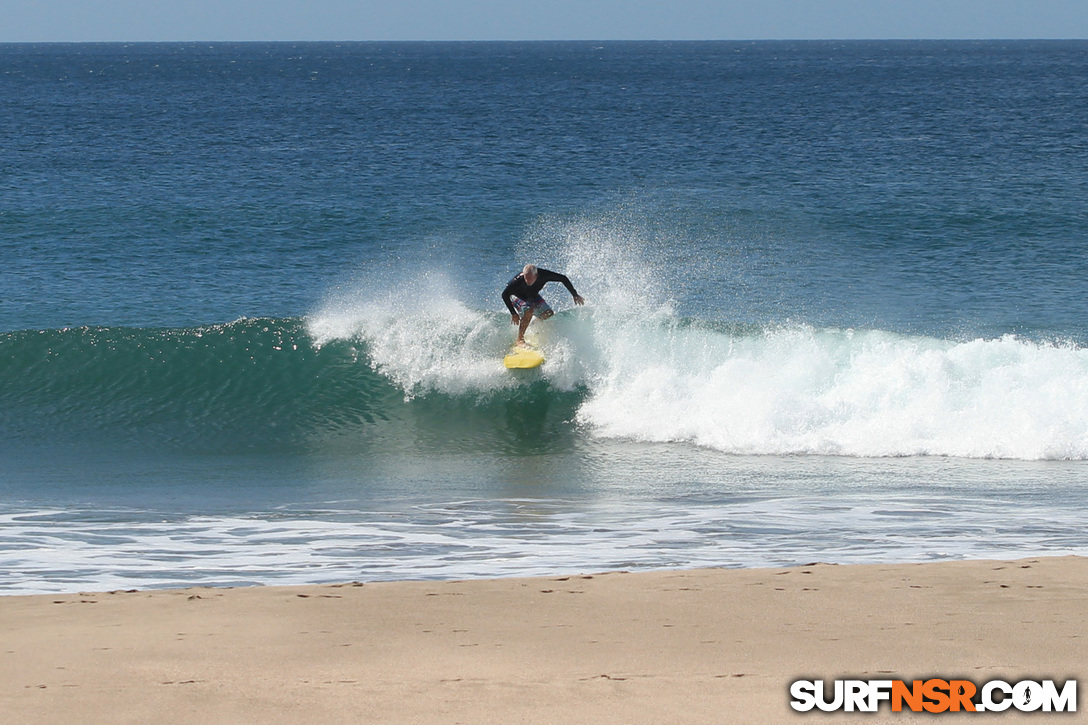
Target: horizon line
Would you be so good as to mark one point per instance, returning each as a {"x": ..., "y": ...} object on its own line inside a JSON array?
[{"x": 552, "y": 40}]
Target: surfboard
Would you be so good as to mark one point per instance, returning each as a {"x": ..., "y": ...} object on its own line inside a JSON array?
[{"x": 521, "y": 358}]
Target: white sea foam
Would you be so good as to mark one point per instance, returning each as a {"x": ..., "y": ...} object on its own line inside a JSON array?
[
  {"x": 844, "y": 392},
  {"x": 54, "y": 551}
]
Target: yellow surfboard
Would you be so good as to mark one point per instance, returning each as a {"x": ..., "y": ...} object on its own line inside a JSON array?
[{"x": 521, "y": 358}]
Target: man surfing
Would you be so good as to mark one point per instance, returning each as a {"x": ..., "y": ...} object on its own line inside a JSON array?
[{"x": 522, "y": 297}]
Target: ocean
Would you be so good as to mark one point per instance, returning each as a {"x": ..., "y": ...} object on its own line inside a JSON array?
[{"x": 251, "y": 329}]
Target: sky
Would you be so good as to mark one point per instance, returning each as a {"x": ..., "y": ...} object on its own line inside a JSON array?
[{"x": 244, "y": 20}]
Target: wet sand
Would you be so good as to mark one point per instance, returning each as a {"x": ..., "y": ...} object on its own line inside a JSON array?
[{"x": 699, "y": 646}]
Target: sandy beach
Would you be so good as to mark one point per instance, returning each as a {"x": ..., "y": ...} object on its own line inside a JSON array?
[{"x": 712, "y": 645}]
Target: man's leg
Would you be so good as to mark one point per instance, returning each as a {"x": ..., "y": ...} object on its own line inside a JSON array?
[{"x": 525, "y": 320}]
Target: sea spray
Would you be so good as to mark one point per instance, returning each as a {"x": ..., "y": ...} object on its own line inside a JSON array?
[
  {"x": 424, "y": 339},
  {"x": 618, "y": 261},
  {"x": 419, "y": 336}
]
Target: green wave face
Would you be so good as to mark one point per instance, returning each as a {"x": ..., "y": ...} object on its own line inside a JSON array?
[{"x": 250, "y": 384}]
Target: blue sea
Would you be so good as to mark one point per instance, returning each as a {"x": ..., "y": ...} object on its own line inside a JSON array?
[{"x": 251, "y": 329}]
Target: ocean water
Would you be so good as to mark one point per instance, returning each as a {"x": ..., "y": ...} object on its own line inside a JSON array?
[{"x": 251, "y": 333}]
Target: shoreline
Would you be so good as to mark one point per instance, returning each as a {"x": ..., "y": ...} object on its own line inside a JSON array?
[{"x": 703, "y": 645}]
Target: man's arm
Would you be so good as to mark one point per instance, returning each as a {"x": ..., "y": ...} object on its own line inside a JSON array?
[
  {"x": 549, "y": 276},
  {"x": 506, "y": 295}
]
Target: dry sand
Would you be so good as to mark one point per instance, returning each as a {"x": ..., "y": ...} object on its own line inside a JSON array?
[{"x": 703, "y": 646}]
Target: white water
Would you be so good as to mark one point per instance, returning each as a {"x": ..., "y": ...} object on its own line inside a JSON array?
[
  {"x": 789, "y": 390},
  {"x": 654, "y": 377},
  {"x": 58, "y": 552},
  {"x": 843, "y": 392}
]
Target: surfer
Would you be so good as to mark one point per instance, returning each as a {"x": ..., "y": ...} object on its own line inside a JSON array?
[{"x": 522, "y": 297}]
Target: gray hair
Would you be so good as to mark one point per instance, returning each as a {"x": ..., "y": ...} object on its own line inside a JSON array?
[{"x": 529, "y": 269}]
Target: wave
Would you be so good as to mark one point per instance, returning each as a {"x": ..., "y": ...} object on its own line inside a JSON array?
[
  {"x": 245, "y": 378},
  {"x": 384, "y": 377},
  {"x": 249, "y": 384},
  {"x": 648, "y": 375},
  {"x": 799, "y": 390}
]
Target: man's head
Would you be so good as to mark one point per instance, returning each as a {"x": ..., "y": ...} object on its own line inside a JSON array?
[{"x": 529, "y": 273}]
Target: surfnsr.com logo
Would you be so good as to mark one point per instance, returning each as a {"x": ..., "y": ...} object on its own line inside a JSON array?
[{"x": 934, "y": 695}]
